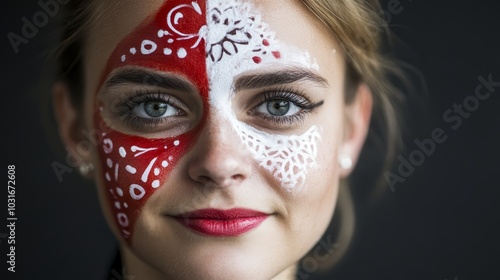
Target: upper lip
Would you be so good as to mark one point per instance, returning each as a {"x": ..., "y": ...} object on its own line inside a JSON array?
[{"x": 219, "y": 214}]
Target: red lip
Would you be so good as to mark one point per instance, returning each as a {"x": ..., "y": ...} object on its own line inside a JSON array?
[{"x": 221, "y": 223}]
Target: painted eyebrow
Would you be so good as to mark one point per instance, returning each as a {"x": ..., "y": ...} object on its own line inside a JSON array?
[
  {"x": 149, "y": 78},
  {"x": 277, "y": 78}
]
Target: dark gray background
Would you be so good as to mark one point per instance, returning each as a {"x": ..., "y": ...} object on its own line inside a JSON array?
[{"x": 441, "y": 223}]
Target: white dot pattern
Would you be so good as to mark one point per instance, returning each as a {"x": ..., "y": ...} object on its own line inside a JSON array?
[{"x": 146, "y": 179}]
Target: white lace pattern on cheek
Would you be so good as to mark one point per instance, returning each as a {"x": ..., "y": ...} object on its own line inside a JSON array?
[{"x": 287, "y": 158}]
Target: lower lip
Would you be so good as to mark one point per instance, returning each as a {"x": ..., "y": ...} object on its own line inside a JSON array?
[{"x": 224, "y": 227}]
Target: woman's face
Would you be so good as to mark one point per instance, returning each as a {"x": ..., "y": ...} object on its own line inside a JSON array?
[{"x": 220, "y": 126}]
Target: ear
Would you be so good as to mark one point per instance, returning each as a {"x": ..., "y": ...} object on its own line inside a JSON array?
[
  {"x": 358, "y": 115},
  {"x": 70, "y": 127}
]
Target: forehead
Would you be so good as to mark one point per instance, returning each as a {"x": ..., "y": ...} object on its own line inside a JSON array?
[{"x": 289, "y": 20}]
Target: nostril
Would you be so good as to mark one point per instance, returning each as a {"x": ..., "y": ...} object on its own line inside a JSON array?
[
  {"x": 237, "y": 177},
  {"x": 205, "y": 180},
  {"x": 220, "y": 182}
]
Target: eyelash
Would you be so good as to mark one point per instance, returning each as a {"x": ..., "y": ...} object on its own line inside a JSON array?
[
  {"x": 132, "y": 100},
  {"x": 290, "y": 95}
]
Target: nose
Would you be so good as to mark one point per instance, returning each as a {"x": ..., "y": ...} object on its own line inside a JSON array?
[{"x": 219, "y": 158}]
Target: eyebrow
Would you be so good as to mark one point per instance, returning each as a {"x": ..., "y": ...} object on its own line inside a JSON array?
[
  {"x": 150, "y": 78},
  {"x": 277, "y": 78}
]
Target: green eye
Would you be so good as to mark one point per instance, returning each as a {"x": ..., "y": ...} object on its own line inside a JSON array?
[
  {"x": 155, "y": 109},
  {"x": 278, "y": 108},
  {"x": 283, "y": 108}
]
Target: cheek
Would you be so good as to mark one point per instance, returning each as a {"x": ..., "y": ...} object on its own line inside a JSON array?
[
  {"x": 320, "y": 198},
  {"x": 287, "y": 158},
  {"x": 133, "y": 168}
]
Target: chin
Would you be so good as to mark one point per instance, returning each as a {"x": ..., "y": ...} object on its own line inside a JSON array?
[
  {"x": 211, "y": 262},
  {"x": 229, "y": 268},
  {"x": 171, "y": 255}
]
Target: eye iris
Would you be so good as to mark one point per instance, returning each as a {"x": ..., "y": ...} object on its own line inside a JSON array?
[
  {"x": 278, "y": 107},
  {"x": 155, "y": 108}
]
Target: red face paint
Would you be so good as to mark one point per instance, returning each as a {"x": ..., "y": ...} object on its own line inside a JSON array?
[{"x": 133, "y": 166}]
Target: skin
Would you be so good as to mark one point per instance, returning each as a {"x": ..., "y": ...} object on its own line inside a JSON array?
[{"x": 216, "y": 169}]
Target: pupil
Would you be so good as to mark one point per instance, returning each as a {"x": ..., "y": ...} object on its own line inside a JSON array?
[
  {"x": 155, "y": 108},
  {"x": 278, "y": 107}
]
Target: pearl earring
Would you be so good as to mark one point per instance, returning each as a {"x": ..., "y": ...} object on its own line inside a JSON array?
[
  {"x": 345, "y": 162},
  {"x": 86, "y": 168}
]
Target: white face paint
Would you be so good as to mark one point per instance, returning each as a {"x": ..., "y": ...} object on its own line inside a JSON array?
[{"x": 238, "y": 41}]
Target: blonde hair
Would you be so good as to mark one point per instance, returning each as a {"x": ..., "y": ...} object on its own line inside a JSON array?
[{"x": 361, "y": 32}]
